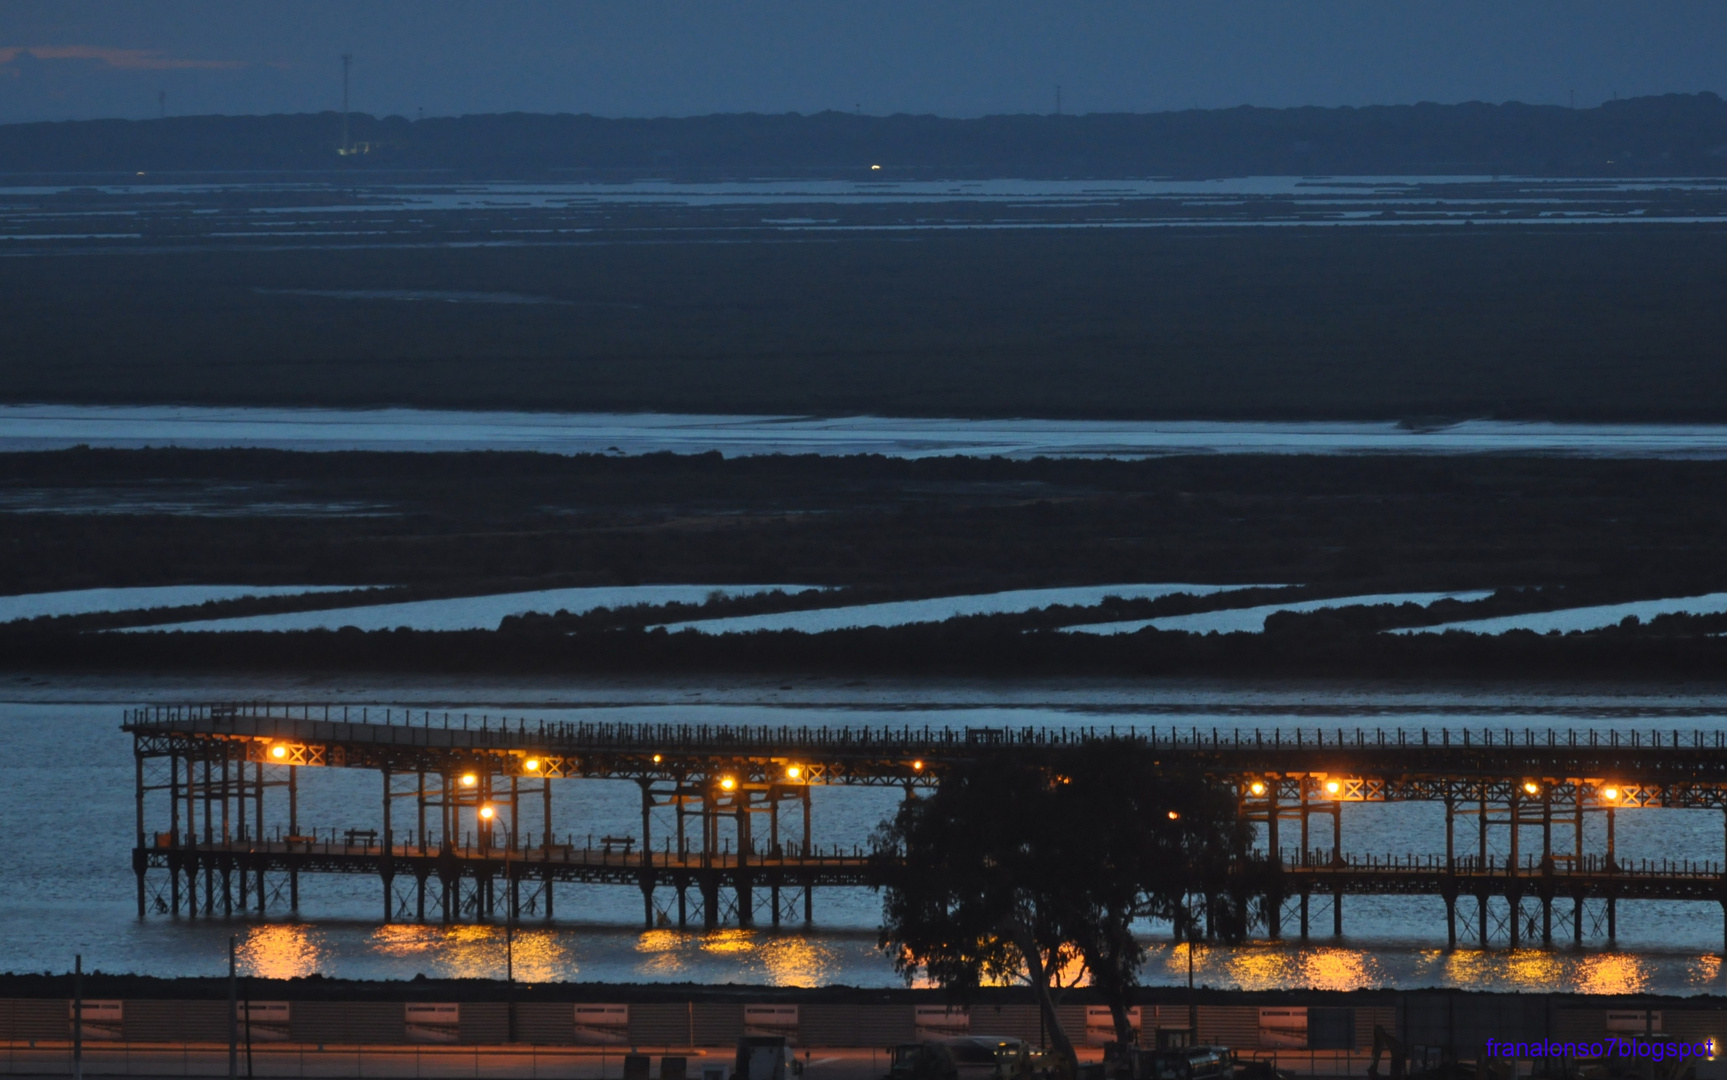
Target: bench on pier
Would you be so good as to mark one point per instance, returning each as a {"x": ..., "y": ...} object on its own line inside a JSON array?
[
  {"x": 607, "y": 843},
  {"x": 367, "y": 837}
]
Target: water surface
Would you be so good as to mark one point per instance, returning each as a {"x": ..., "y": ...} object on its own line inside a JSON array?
[
  {"x": 471, "y": 612},
  {"x": 1594, "y": 617},
  {"x": 49, "y": 427},
  {"x": 1251, "y": 620},
  {"x": 941, "y": 608},
  {"x": 70, "y": 888}
]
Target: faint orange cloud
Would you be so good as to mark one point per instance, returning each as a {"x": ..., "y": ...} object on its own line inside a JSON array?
[{"x": 123, "y": 59}]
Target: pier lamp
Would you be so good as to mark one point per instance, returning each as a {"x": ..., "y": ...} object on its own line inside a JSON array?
[
  {"x": 793, "y": 772},
  {"x": 278, "y": 751},
  {"x": 487, "y": 813},
  {"x": 656, "y": 759},
  {"x": 1256, "y": 787},
  {"x": 1610, "y": 793},
  {"x": 727, "y": 783},
  {"x": 532, "y": 764},
  {"x": 917, "y": 766},
  {"x": 1531, "y": 787},
  {"x": 1332, "y": 787},
  {"x": 1174, "y": 816},
  {"x": 469, "y": 779}
]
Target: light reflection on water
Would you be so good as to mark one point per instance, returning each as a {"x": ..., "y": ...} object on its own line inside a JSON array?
[
  {"x": 762, "y": 957},
  {"x": 776, "y": 960},
  {"x": 280, "y": 952}
]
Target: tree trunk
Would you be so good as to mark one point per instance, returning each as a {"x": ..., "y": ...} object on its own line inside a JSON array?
[{"x": 1024, "y": 940}]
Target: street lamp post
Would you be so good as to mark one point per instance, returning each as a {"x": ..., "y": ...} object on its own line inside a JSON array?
[{"x": 488, "y": 813}]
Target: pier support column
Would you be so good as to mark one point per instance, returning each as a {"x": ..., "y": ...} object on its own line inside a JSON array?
[
  {"x": 1304, "y": 906},
  {"x": 546, "y": 843},
  {"x": 293, "y": 830},
  {"x": 1337, "y": 860},
  {"x": 386, "y": 870},
  {"x": 1274, "y": 853},
  {"x": 1451, "y": 920},
  {"x": 742, "y": 884},
  {"x": 1481, "y": 918},
  {"x": 647, "y": 876},
  {"x": 1577, "y": 920},
  {"x": 774, "y": 851},
  {"x": 1547, "y": 866},
  {"x": 710, "y": 888},
  {"x": 1612, "y": 867},
  {"x": 174, "y": 830},
  {"x": 140, "y": 859},
  {"x": 209, "y": 841}
]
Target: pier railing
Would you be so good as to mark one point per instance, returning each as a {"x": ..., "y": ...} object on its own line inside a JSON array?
[{"x": 498, "y": 731}]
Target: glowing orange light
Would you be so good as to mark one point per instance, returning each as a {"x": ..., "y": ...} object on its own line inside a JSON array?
[
  {"x": 1332, "y": 787},
  {"x": 727, "y": 783},
  {"x": 1257, "y": 788},
  {"x": 793, "y": 772},
  {"x": 532, "y": 764},
  {"x": 469, "y": 779},
  {"x": 278, "y": 752},
  {"x": 486, "y": 813},
  {"x": 656, "y": 759},
  {"x": 1532, "y": 787},
  {"x": 1611, "y": 793},
  {"x": 1173, "y": 816},
  {"x": 917, "y": 766}
]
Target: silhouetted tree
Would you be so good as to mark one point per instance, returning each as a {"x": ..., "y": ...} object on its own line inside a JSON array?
[{"x": 1022, "y": 863}]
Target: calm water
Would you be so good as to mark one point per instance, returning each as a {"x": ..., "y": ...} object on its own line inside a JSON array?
[
  {"x": 1251, "y": 620},
  {"x": 1594, "y": 617},
  {"x": 38, "y": 220},
  {"x": 49, "y": 427},
  {"x": 941, "y": 608},
  {"x": 474, "y": 612},
  {"x": 66, "y": 780}
]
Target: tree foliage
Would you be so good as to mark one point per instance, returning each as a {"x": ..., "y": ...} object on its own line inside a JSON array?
[{"x": 1036, "y": 868}]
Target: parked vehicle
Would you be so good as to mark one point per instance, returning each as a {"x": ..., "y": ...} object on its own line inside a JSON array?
[
  {"x": 765, "y": 1057},
  {"x": 922, "y": 1061},
  {"x": 1187, "y": 1063}
]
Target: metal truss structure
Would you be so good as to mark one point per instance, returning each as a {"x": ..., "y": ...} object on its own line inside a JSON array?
[{"x": 471, "y": 789}]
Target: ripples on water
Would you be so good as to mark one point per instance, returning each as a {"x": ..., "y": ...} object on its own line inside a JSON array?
[{"x": 761, "y": 957}]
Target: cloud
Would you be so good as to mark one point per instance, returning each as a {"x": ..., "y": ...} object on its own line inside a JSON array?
[{"x": 120, "y": 59}]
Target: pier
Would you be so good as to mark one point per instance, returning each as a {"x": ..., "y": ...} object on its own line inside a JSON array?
[{"x": 467, "y": 823}]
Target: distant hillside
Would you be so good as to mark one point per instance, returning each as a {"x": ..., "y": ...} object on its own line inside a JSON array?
[{"x": 1673, "y": 135}]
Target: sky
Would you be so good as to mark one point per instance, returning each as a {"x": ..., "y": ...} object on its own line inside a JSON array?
[{"x": 80, "y": 59}]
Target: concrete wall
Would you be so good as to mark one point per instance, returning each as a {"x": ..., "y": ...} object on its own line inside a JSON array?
[{"x": 1433, "y": 1018}]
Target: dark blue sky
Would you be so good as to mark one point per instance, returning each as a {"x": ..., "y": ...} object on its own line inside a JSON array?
[{"x": 76, "y": 58}]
